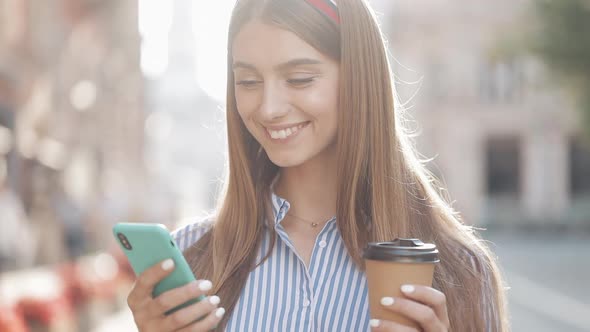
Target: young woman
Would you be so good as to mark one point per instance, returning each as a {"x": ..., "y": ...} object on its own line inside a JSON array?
[{"x": 319, "y": 165}]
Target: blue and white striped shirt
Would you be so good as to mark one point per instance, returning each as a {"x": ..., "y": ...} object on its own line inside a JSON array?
[{"x": 283, "y": 294}]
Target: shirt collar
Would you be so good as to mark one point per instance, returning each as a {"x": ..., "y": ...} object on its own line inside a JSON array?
[{"x": 280, "y": 207}]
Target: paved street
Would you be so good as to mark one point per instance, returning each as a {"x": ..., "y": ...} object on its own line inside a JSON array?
[{"x": 549, "y": 277}]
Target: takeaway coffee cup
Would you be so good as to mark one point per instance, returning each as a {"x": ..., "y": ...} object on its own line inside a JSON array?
[{"x": 389, "y": 265}]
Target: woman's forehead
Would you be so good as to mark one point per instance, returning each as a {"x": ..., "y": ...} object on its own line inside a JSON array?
[{"x": 266, "y": 45}]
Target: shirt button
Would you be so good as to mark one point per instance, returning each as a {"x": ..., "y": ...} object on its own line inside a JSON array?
[
  {"x": 306, "y": 303},
  {"x": 323, "y": 244}
]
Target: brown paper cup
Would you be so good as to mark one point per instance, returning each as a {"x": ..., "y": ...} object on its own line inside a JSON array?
[
  {"x": 386, "y": 279},
  {"x": 389, "y": 265}
]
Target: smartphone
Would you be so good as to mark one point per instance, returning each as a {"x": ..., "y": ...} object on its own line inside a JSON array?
[{"x": 148, "y": 244}]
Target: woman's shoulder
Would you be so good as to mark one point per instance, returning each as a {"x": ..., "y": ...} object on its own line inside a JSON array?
[{"x": 188, "y": 234}]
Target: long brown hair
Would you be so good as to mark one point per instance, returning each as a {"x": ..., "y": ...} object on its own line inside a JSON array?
[{"x": 384, "y": 192}]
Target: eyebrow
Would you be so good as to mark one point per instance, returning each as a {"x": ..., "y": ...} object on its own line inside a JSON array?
[{"x": 281, "y": 66}]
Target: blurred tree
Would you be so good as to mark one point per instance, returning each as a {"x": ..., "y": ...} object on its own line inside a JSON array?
[{"x": 561, "y": 37}]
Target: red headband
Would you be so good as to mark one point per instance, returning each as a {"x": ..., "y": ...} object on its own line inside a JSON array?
[{"x": 326, "y": 7}]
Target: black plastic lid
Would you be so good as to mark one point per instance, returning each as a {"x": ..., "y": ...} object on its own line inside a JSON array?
[{"x": 402, "y": 250}]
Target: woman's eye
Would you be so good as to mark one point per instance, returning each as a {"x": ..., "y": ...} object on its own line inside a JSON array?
[
  {"x": 300, "y": 81},
  {"x": 247, "y": 83}
]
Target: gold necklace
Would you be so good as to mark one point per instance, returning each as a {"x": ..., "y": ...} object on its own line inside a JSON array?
[{"x": 311, "y": 223}]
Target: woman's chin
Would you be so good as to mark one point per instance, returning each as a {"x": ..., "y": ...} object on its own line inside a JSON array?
[{"x": 286, "y": 161}]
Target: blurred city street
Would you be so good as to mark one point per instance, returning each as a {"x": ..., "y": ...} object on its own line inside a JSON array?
[{"x": 548, "y": 277}]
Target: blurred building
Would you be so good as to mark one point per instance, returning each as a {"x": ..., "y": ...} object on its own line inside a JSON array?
[
  {"x": 504, "y": 138},
  {"x": 74, "y": 112},
  {"x": 186, "y": 141}
]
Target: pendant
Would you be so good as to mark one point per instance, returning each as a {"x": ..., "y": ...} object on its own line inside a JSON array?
[{"x": 314, "y": 224}]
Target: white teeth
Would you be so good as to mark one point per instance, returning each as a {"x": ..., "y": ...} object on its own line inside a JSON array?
[{"x": 284, "y": 133}]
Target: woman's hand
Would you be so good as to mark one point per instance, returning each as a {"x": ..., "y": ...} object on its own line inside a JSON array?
[
  {"x": 148, "y": 312},
  {"x": 424, "y": 305}
]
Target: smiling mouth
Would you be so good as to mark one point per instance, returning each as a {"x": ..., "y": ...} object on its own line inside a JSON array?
[{"x": 287, "y": 132}]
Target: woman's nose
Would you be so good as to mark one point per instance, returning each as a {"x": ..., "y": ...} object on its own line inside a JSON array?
[{"x": 274, "y": 103}]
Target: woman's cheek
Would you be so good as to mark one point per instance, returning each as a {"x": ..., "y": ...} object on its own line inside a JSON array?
[
  {"x": 245, "y": 105},
  {"x": 319, "y": 102}
]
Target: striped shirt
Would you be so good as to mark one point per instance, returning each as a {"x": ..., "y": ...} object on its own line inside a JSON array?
[{"x": 283, "y": 294}]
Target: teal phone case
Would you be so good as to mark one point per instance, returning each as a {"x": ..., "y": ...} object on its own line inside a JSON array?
[{"x": 150, "y": 245}]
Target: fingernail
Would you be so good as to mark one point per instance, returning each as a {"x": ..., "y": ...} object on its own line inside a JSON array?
[
  {"x": 167, "y": 264},
  {"x": 205, "y": 285},
  {"x": 214, "y": 300},
  {"x": 374, "y": 322},
  {"x": 408, "y": 289},
  {"x": 219, "y": 312},
  {"x": 387, "y": 301}
]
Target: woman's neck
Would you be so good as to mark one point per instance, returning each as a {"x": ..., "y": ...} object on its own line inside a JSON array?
[{"x": 310, "y": 188}]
